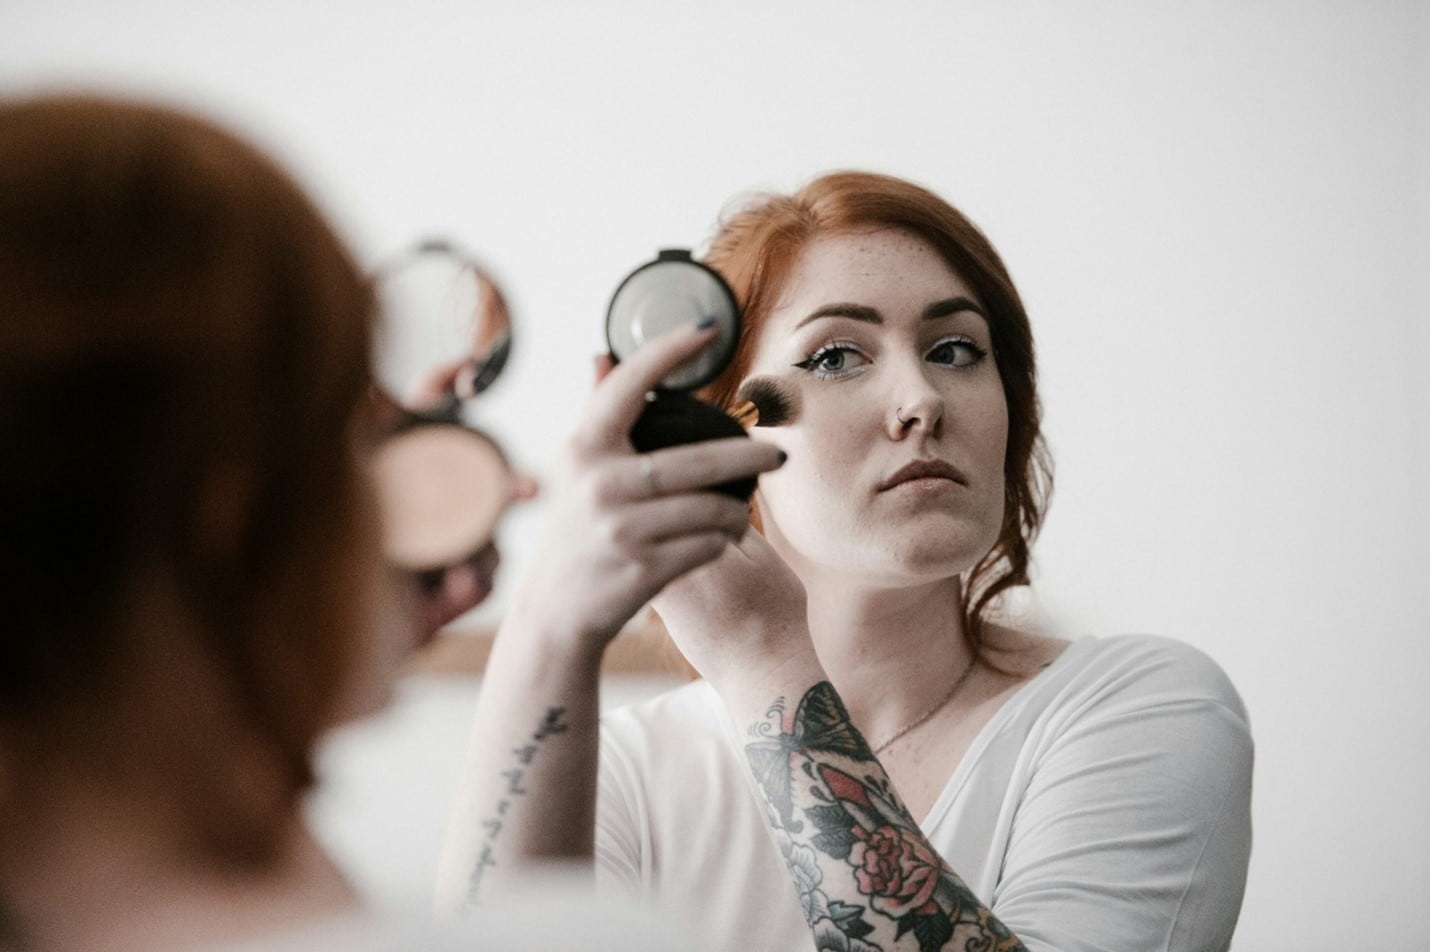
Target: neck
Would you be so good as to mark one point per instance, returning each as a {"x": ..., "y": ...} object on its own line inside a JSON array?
[{"x": 890, "y": 652}]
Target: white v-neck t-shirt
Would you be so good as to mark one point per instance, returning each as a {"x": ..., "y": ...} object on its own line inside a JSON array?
[{"x": 1106, "y": 806}]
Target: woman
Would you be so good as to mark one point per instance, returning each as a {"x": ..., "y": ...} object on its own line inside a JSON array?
[
  {"x": 929, "y": 778},
  {"x": 192, "y": 582},
  {"x": 189, "y": 574}
]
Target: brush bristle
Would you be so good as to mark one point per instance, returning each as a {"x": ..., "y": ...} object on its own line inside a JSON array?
[{"x": 774, "y": 404}]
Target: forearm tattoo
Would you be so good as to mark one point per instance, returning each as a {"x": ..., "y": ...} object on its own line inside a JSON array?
[
  {"x": 866, "y": 875},
  {"x": 514, "y": 790}
]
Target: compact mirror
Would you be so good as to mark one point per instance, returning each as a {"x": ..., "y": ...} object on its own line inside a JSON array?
[
  {"x": 671, "y": 291},
  {"x": 443, "y": 337},
  {"x": 440, "y": 309},
  {"x": 676, "y": 290}
]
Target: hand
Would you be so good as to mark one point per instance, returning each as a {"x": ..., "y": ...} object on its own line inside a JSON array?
[
  {"x": 444, "y": 595},
  {"x": 740, "y": 616},
  {"x": 429, "y": 390},
  {"x": 622, "y": 525}
]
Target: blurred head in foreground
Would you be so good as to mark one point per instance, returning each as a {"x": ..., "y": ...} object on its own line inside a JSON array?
[{"x": 190, "y": 565}]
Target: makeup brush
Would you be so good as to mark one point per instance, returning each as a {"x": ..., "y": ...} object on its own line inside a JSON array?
[{"x": 764, "y": 401}]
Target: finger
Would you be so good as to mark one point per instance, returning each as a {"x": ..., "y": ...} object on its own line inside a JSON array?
[
  {"x": 619, "y": 398},
  {"x": 459, "y": 588},
  {"x": 459, "y": 592},
  {"x": 670, "y": 517},
  {"x": 754, "y": 547},
  {"x": 524, "y": 487},
  {"x": 680, "y": 469},
  {"x": 603, "y": 364},
  {"x": 433, "y": 387},
  {"x": 464, "y": 587},
  {"x": 673, "y": 558}
]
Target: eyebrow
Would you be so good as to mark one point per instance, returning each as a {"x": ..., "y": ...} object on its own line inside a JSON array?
[{"x": 862, "y": 312}]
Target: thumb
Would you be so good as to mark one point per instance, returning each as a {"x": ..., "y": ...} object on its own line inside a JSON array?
[{"x": 603, "y": 364}]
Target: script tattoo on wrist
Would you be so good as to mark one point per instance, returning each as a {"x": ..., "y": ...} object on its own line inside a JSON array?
[
  {"x": 552, "y": 723},
  {"x": 863, "y": 869}
]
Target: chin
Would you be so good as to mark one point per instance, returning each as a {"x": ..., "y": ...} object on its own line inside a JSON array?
[{"x": 933, "y": 553}]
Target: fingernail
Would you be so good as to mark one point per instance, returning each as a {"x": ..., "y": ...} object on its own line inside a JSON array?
[
  {"x": 783, "y": 456},
  {"x": 705, "y": 323}
]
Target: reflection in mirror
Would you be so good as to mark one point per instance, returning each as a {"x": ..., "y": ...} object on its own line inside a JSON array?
[
  {"x": 441, "y": 311},
  {"x": 443, "y": 337}
]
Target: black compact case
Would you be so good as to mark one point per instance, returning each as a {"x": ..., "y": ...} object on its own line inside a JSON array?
[{"x": 671, "y": 291}]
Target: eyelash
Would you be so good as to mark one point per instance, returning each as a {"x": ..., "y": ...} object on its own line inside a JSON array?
[
  {"x": 959, "y": 340},
  {"x": 811, "y": 363}
]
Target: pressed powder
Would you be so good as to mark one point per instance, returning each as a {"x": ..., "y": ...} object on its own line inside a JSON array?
[{"x": 442, "y": 490}]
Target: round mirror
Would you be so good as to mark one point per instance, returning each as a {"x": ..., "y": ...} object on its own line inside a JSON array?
[
  {"x": 443, "y": 337},
  {"x": 671, "y": 291},
  {"x": 440, "y": 312}
]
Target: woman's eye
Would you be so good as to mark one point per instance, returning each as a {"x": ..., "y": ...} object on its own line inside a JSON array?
[
  {"x": 831, "y": 360},
  {"x": 956, "y": 352}
]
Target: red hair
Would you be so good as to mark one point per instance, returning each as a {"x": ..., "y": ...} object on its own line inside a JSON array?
[
  {"x": 183, "y": 362},
  {"x": 757, "y": 246}
]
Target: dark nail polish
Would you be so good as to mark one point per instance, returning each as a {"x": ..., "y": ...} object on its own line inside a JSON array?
[{"x": 783, "y": 456}]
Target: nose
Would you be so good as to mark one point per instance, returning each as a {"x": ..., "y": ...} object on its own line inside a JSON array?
[{"x": 918, "y": 408}]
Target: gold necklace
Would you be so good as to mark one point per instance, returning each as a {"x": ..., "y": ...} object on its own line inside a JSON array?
[{"x": 938, "y": 706}]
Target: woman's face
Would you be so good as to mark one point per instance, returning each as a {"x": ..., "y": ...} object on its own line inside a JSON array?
[{"x": 872, "y": 327}]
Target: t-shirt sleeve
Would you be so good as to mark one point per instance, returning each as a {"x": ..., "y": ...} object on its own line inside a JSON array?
[
  {"x": 618, "y": 851},
  {"x": 1134, "y": 828}
]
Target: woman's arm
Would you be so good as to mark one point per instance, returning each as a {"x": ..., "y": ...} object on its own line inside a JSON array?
[
  {"x": 620, "y": 527},
  {"x": 866, "y": 875}
]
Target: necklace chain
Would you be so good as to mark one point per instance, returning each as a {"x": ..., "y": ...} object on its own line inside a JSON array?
[{"x": 938, "y": 706}]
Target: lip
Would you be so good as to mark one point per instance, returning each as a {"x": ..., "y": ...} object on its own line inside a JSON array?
[{"x": 923, "y": 469}]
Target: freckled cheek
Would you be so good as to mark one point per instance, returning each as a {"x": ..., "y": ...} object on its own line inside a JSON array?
[
  {"x": 995, "y": 450},
  {"x": 985, "y": 430},
  {"x": 813, "y": 483},
  {"x": 825, "y": 454},
  {"x": 990, "y": 438},
  {"x": 806, "y": 472}
]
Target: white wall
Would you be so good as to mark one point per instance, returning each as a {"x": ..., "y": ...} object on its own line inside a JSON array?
[{"x": 1219, "y": 214}]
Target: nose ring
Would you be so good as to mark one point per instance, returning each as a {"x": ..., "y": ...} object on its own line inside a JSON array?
[{"x": 898, "y": 415}]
